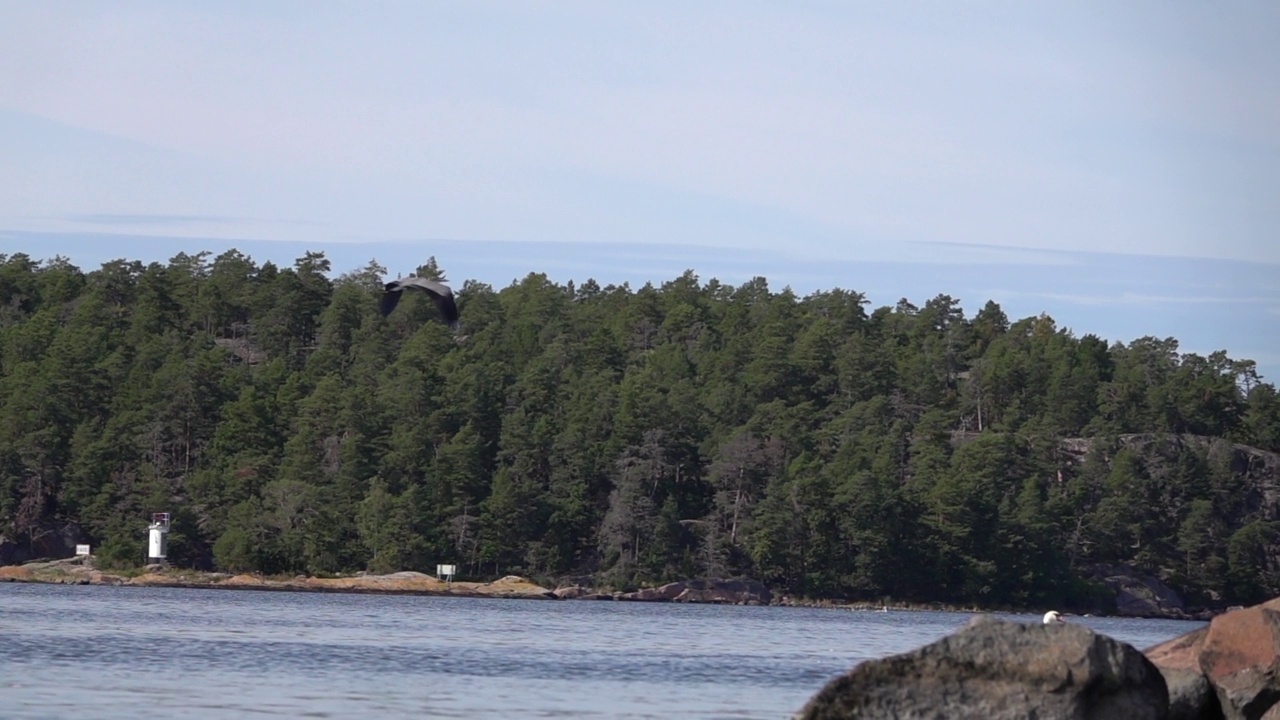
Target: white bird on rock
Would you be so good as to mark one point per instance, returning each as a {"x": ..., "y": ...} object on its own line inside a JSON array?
[{"x": 1052, "y": 617}]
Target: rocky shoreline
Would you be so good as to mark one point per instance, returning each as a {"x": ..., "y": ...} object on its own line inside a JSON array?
[
  {"x": 81, "y": 571},
  {"x": 738, "y": 591}
]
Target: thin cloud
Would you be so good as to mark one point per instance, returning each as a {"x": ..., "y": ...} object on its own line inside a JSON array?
[
  {"x": 126, "y": 219},
  {"x": 1077, "y": 299},
  {"x": 1130, "y": 298},
  {"x": 1193, "y": 299},
  {"x": 1048, "y": 127}
]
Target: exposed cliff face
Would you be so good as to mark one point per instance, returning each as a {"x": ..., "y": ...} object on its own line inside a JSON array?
[
  {"x": 1258, "y": 470},
  {"x": 1138, "y": 594},
  {"x": 53, "y": 540},
  {"x": 1209, "y": 516},
  {"x": 1172, "y": 524}
]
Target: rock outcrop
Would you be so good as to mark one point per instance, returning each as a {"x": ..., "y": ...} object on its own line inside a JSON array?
[
  {"x": 997, "y": 670},
  {"x": 579, "y": 592},
  {"x": 10, "y": 553},
  {"x": 80, "y": 571},
  {"x": 1230, "y": 669},
  {"x": 736, "y": 591},
  {"x": 1256, "y": 498},
  {"x": 1139, "y": 595},
  {"x": 1259, "y": 469},
  {"x": 49, "y": 540},
  {"x": 20, "y": 573},
  {"x": 1190, "y": 694}
]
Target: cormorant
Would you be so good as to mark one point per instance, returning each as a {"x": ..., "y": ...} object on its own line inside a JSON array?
[{"x": 440, "y": 294}]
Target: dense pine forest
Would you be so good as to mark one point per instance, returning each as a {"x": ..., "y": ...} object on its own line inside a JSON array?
[{"x": 629, "y": 435}]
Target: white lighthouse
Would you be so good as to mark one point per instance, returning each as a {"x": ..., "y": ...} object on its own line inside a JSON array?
[{"x": 158, "y": 542}]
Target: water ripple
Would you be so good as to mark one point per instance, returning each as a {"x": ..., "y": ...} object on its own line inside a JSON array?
[{"x": 71, "y": 652}]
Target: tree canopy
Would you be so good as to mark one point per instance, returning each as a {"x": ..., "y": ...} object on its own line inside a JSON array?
[{"x": 634, "y": 435}]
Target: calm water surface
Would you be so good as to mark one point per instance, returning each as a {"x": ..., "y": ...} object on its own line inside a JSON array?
[{"x": 108, "y": 652}]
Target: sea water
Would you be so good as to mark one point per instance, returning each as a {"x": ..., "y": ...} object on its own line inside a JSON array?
[{"x": 128, "y": 652}]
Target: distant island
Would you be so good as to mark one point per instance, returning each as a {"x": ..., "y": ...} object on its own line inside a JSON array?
[{"x": 625, "y": 438}]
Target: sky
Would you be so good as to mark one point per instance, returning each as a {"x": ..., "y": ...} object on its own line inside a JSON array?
[{"x": 1115, "y": 165}]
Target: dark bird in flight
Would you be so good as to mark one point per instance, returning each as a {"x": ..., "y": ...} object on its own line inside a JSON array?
[{"x": 440, "y": 294}]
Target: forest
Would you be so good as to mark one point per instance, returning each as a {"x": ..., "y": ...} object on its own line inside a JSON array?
[{"x": 625, "y": 436}]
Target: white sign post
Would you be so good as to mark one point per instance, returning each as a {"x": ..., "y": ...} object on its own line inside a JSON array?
[
  {"x": 446, "y": 572},
  {"x": 82, "y": 550}
]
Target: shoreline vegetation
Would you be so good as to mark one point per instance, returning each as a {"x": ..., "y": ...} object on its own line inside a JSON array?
[
  {"x": 81, "y": 571},
  {"x": 629, "y": 439}
]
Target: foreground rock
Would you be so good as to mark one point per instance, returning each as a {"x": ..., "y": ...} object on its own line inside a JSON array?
[
  {"x": 1190, "y": 694},
  {"x": 737, "y": 591},
  {"x": 1230, "y": 669},
  {"x": 997, "y": 670}
]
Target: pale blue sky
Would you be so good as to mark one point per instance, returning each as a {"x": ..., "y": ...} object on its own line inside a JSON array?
[{"x": 1116, "y": 165}]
